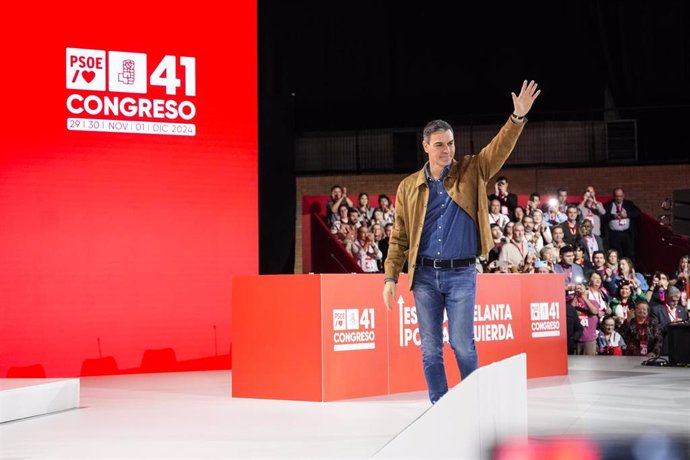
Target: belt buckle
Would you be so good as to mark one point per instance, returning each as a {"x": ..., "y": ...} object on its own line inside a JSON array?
[{"x": 439, "y": 265}]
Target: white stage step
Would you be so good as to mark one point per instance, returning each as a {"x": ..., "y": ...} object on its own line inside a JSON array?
[
  {"x": 22, "y": 398},
  {"x": 487, "y": 408}
]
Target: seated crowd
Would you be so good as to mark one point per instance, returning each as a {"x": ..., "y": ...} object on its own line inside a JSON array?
[{"x": 612, "y": 308}]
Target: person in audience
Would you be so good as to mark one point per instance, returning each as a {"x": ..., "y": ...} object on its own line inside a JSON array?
[
  {"x": 612, "y": 260},
  {"x": 591, "y": 242},
  {"x": 508, "y": 231},
  {"x": 550, "y": 255},
  {"x": 343, "y": 219},
  {"x": 528, "y": 266},
  {"x": 542, "y": 267},
  {"x": 515, "y": 250},
  {"x": 508, "y": 200},
  {"x": 641, "y": 333},
  {"x": 377, "y": 218},
  {"x": 557, "y": 237},
  {"x": 599, "y": 266},
  {"x": 562, "y": 196},
  {"x": 541, "y": 227},
  {"x": 383, "y": 244},
  {"x": 387, "y": 209},
  {"x": 571, "y": 229},
  {"x": 588, "y": 314},
  {"x": 656, "y": 294},
  {"x": 354, "y": 218},
  {"x": 338, "y": 197},
  {"x": 669, "y": 313},
  {"x": 609, "y": 342},
  {"x": 597, "y": 294},
  {"x": 573, "y": 273},
  {"x": 366, "y": 252},
  {"x": 573, "y": 326},
  {"x": 626, "y": 271},
  {"x": 499, "y": 241},
  {"x": 518, "y": 214},
  {"x": 553, "y": 215},
  {"x": 620, "y": 223},
  {"x": 580, "y": 257},
  {"x": 346, "y": 235},
  {"x": 533, "y": 204},
  {"x": 365, "y": 210},
  {"x": 495, "y": 214},
  {"x": 624, "y": 301},
  {"x": 377, "y": 231},
  {"x": 533, "y": 238},
  {"x": 592, "y": 210},
  {"x": 680, "y": 280}
]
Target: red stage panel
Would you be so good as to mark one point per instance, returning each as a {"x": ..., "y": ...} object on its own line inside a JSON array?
[
  {"x": 328, "y": 337},
  {"x": 120, "y": 234}
]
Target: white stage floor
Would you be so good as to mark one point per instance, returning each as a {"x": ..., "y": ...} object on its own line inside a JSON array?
[{"x": 192, "y": 415}]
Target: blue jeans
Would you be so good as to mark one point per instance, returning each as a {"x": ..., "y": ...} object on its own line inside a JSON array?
[{"x": 452, "y": 289}]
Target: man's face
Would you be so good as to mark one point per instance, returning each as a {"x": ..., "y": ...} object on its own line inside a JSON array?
[
  {"x": 672, "y": 300},
  {"x": 641, "y": 311},
  {"x": 441, "y": 148},
  {"x": 618, "y": 196},
  {"x": 502, "y": 185},
  {"x": 495, "y": 207},
  {"x": 353, "y": 216},
  {"x": 336, "y": 193},
  {"x": 562, "y": 196},
  {"x": 558, "y": 234},
  {"x": 572, "y": 214},
  {"x": 568, "y": 257},
  {"x": 598, "y": 260},
  {"x": 362, "y": 233},
  {"x": 388, "y": 230},
  {"x": 496, "y": 232},
  {"x": 342, "y": 211},
  {"x": 383, "y": 202},
  {"x": 535, "y": 201},
  {"x": 518, "y": 233},
  {"x": 586, "y": 228},
  {"x": 528, "y": 223}
]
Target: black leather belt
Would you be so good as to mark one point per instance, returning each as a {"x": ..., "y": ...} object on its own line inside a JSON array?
[{"x": 447, "y": 263}]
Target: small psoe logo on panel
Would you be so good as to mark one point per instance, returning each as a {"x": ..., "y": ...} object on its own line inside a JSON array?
[
  {"x": 545, "y": 319},
  {"x": 354, "y": 329}
]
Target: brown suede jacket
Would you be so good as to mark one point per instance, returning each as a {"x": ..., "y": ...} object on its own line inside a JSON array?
[{"x": 466, "y": 185}]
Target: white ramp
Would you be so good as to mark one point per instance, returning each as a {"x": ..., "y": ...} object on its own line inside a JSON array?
[
  {"x": 487, "y": 407},
  {"x": 22, "y": 398}
]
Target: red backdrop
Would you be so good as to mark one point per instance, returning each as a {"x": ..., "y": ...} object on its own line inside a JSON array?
[{"x": 117, "y": 248}]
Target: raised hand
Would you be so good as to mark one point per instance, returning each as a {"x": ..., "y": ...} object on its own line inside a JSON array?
[{"x": 523, "y": 102}]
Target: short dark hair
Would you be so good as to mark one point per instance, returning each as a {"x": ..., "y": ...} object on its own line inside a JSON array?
[
  {"x": 435, "y": 126},
  {"x": 335, "y": 187},
  {"x": 500, "y": 178},
  {"x": 382, "y": 196},
  {"x": 562, "y": 189},
  {"x": 534, "y": 194},
  {"x": 598, "y": 252},
  {"x": 565, "y": 249},
  {"x": 354, "y": 210}
]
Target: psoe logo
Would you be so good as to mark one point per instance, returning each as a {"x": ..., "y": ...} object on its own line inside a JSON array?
[
  {"x": 93, "y": 72},
  {"x": 354, "y": 329},
  {"x": 545, "y": 318}
]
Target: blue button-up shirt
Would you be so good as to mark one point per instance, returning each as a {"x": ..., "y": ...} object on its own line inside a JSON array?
[{"x": 449, "y": 232}]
